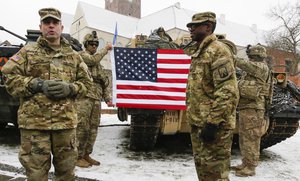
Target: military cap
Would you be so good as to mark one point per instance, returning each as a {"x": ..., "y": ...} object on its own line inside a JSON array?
[
  {"x": 50, "y": 12},
  {"x": 202, "y": 17}
]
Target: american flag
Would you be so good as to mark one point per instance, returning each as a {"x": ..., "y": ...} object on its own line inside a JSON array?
[{"x": 149, "y": 78}]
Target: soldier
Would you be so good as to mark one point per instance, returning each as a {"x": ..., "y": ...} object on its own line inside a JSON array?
[
  {"x": 89, "y": 108},
  {"x": 255, "y": 93},
  {"x": 163, "y": 35},
  {"x": 47, "y": 77},
  {"x": 212, "y": 97}
]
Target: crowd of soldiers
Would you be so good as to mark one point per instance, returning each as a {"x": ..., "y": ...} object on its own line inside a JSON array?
[{"x": 60, "y": 92}]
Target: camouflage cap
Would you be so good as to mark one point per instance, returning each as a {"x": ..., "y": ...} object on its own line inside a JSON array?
[
  {"x": 50, "y": 12},
  {"x": 202, "y": 17}
]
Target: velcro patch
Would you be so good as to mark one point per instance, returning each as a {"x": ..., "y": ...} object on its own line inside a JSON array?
[
  {"x": 15, "y": 58},
  {"x": 223, "y": 72}
]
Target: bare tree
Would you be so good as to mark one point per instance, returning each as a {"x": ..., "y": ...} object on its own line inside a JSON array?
[{"x": 286, "y": 36}]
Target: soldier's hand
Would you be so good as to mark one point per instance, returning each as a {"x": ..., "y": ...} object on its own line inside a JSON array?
[
  {"x": 110, "y": 104},
  {"x": 208, "y": 132},
  {"x": 35, "y": 85},
  {"x": 60, "y": 89},
  {"x": 108, "y": 46}
]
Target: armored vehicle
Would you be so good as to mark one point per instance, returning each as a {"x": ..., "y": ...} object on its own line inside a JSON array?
[
  {"x": 9, "y": 105},
  {"x": 284, "y": 113},
  {"x": 147, "y": 124}
]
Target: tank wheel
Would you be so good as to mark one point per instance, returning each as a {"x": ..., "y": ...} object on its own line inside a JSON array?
[
  {"x": 144, "y": 131},
  {"x": 279, "y": 130}
]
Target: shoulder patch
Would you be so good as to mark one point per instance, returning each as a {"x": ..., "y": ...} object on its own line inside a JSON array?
[
  {"x": 15, "y": 57},
  {"x": 223, "y": 72}
]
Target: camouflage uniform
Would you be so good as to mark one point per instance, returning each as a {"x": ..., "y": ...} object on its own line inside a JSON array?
[
  {"x": 212, "y": 97},
  {"x": 89, "y": 108},
  {"x": 254, "y": 89},
  {"x": 47, "y": 125}
]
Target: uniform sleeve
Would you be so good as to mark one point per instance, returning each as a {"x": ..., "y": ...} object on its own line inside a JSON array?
[
  {"x": 106, "y": 90},
  {"x": 225, "y": 88},
  {"x": 92, "y": 60},
  {"x": 17, "y": 82},
  {"x": 83, "y": 79},
  {"x": 254, "y": 69}
]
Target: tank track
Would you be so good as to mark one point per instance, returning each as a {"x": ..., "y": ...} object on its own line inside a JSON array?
[
  {"x": 144, "y": 131},
  {"x": 279, "y": 130}
]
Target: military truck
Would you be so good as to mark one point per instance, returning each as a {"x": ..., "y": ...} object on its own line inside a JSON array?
[
  {"x": 147, "y": 124},
  {"x": 9, "y": 105}
]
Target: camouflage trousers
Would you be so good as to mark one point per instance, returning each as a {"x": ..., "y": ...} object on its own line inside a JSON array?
[
  {"x": 252, "y": 125},
  {"x": 212, "y": 160},
  {"x": 35, "y": 153},
  {"x": 87, "y": 129}
]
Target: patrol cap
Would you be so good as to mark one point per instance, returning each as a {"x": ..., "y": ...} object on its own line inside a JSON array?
[
  {"x": 50, "y": 12},
  {"x": 202, "y": 17}
]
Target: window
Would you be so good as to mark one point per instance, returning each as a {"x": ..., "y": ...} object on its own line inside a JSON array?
[
  {"x": 101, "y": 43},
  {"x": 288, "y": 65}
]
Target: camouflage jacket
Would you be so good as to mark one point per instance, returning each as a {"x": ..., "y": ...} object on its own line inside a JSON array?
[
  {"x": 254, "y": 85},
  {"x": 212, "y": 93},
  {"x": 36, "y": 111},
  {"x": 99, "y": 88}
]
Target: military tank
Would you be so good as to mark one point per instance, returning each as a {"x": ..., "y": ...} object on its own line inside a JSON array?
[
  {"x": 146, "y": 124},
  {"x": 9, "y": 105},
  {"x": 284, "y": 113}
]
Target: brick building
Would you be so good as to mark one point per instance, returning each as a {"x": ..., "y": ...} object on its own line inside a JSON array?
[
  {"x": 283, "y": 61},
  {"x": 125, "y": 7}
]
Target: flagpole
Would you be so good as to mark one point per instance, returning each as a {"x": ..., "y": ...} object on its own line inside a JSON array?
[{"x": 115, "y": 34}]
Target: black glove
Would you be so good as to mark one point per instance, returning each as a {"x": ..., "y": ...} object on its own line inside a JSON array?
[
  {"x": 60, "y": 89},
  {"x": 208, "y": 133}
]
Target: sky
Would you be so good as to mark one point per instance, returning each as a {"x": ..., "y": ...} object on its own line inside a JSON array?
[{"x": 18, "y": 16}]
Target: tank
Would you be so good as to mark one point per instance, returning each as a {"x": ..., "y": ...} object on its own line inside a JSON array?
[
  {"x": 146, "y": 125},
  {"x": 9, "y": 105},
  {"x": 284, "y": 112}
]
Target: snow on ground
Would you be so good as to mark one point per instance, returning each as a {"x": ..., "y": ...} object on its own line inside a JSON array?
[{"x": 278, "y": 163}]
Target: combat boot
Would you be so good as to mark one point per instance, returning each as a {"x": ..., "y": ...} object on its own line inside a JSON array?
[
  {"x": 246, "y": 171},
  {"x": 238, "y": 167},
  {"x": 83, "y": 163},
  {"x": 91, "y": 160}
]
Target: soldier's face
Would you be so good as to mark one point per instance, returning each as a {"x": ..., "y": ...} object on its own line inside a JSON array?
[
  {"x": 199, "y": 31},
  {"x": 92, "y": 46},
  {"x": 51, "y": 29}
]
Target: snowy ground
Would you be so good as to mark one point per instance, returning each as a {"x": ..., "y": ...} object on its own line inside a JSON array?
[{"x": 167, "y": 162}]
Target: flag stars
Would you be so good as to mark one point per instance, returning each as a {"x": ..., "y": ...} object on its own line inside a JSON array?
[{"x": 136, "y": 64}]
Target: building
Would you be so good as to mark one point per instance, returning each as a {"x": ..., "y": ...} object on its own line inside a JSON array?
[
  {"x": 89, "y": 18},
  {"x": 125, "y": 7}
]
